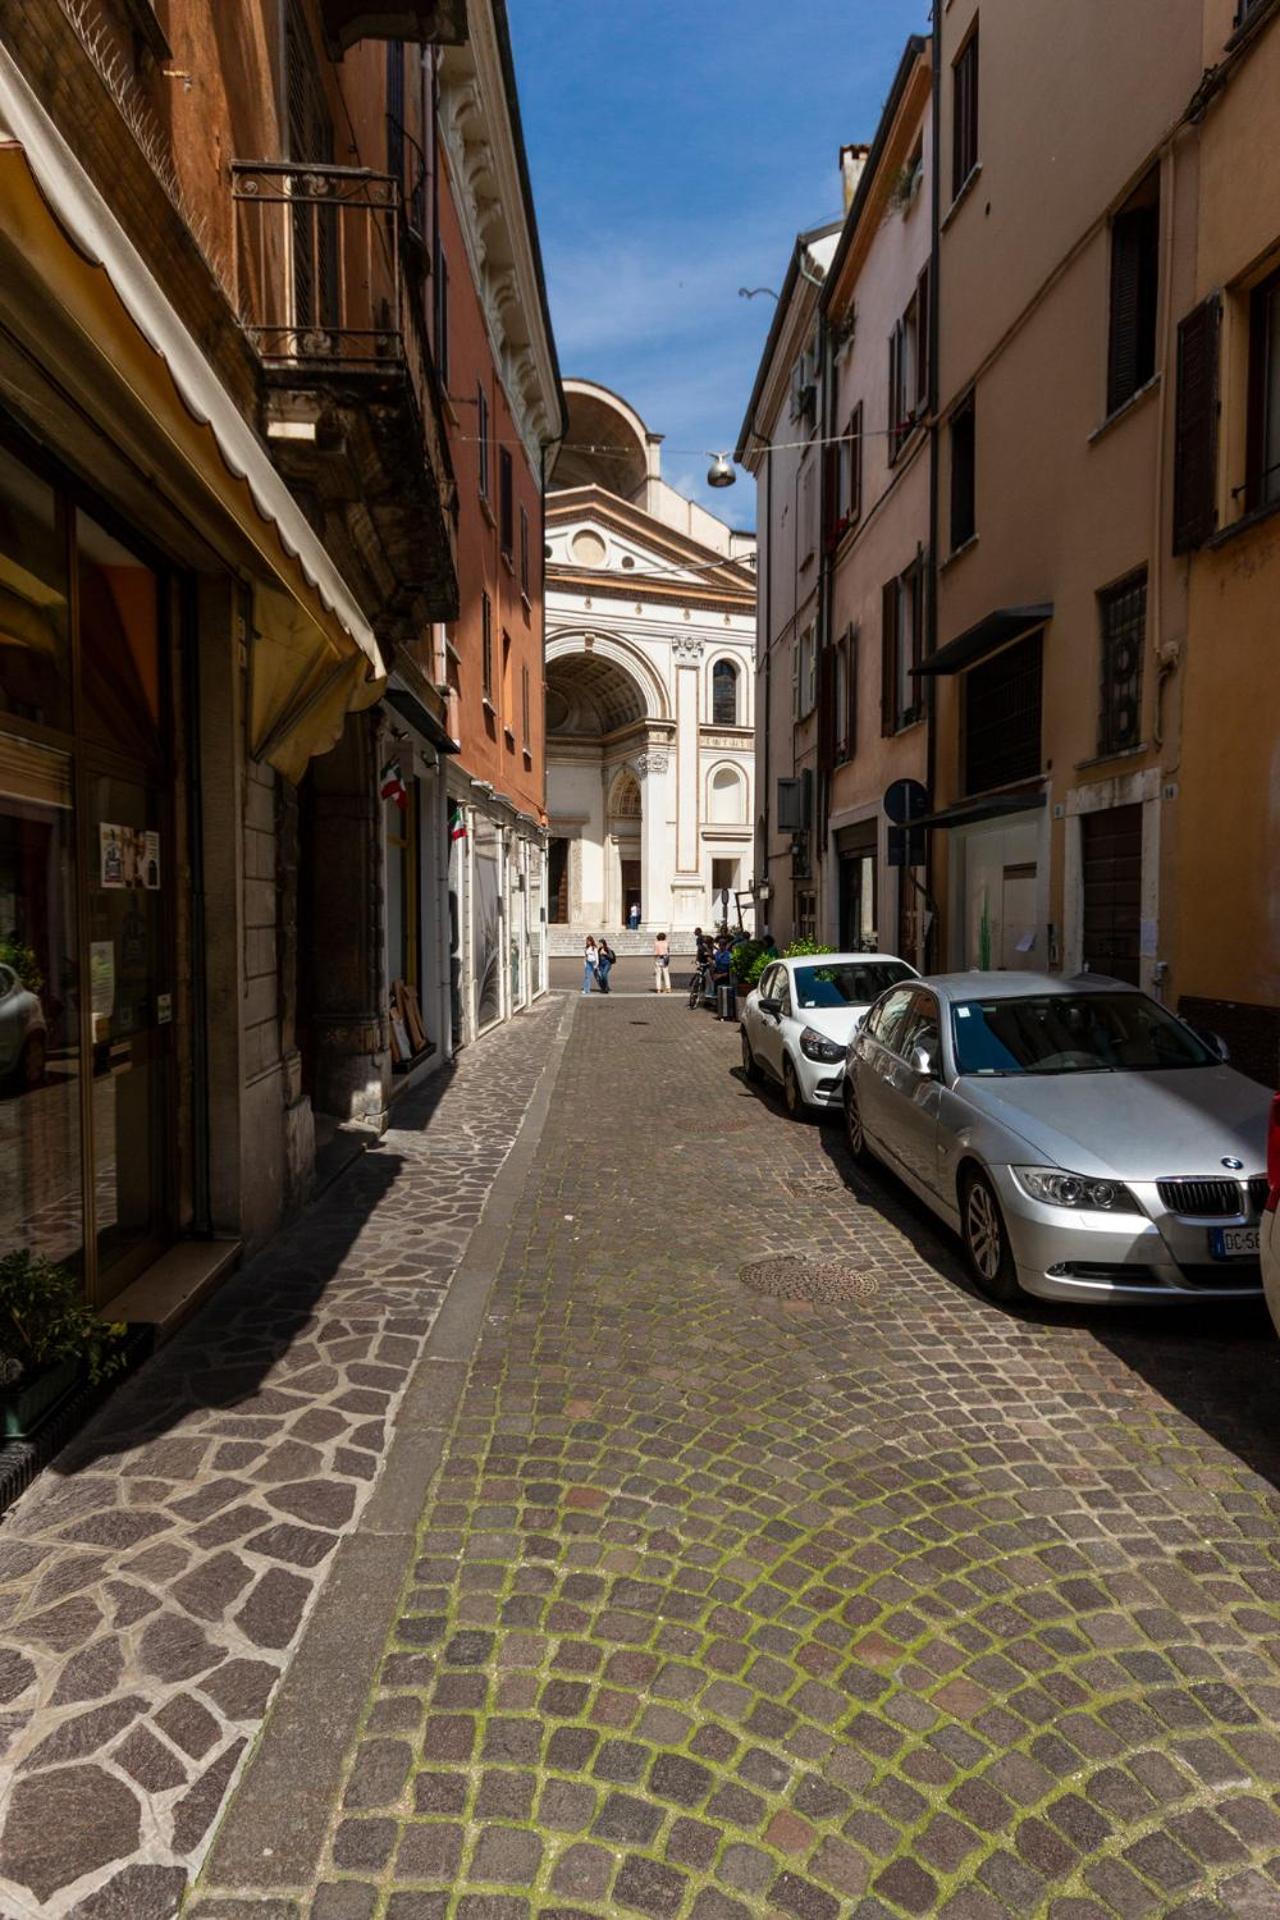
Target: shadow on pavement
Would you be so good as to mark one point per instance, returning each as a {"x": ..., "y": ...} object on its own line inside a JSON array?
[{"x": 221, "y": 1359}]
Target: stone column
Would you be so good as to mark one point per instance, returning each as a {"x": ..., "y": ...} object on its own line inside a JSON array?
[
  {"x": 686, "y": 895},
  {"x": 653, "y": 771}
]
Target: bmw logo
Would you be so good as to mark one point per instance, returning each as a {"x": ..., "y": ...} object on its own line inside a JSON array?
[{"x": 1236, "y": 1166}]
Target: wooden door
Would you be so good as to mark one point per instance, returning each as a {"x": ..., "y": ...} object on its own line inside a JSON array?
[{"x": 1111, "y": 861}]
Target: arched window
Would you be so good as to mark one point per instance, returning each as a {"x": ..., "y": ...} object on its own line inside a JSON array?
[
  {"x": 728, "y": 797},
  {"x": 624, "y": 801},
  {"x": 724, "y": 694}
]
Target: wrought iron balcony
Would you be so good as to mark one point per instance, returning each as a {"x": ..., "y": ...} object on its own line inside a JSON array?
[
  {"x": 318, "y": 264},
  {"x": 331, "y": 293}
]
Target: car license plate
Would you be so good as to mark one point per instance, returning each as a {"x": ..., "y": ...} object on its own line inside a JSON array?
[{"x": 1235, "y": 1243}]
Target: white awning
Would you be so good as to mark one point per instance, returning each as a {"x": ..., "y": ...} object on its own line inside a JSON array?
[{"x": 249, "y": 488}]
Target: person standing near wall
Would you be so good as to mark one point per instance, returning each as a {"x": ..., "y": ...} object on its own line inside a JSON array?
[{"x": 661, "y": 964}]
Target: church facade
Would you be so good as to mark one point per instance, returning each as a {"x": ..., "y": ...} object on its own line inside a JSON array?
[{"x": 650, "y": 657}]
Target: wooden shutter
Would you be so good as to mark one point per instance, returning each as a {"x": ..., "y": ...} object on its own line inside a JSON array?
[
  {"x": 922, "y": 343},
  {"x": 851, "y": 722},
  {"x": 855, "y": 463},
  {"x": 1195, "y": 454},
  {"x": 831, "y": 502},
  {"x": 506, "y": 501},
  {"x": 895, "y": 360},
  {"x": 1135, "y": 242},
  {"x": 888, "y": 658},
  {"x": 964, "y": 132},
  {"x": 826, "y": 709}
]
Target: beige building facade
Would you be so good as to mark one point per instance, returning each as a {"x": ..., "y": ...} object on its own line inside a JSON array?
[{"x": 876, "y": 529}]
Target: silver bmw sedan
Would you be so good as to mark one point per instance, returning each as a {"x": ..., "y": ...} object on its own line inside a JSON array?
[{"x": 1085, "y": 1143}]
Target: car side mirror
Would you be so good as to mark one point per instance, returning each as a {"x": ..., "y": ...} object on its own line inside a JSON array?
[
  {"x": 922, "y": 1062},
  {"x": 1216, "y": 1044},
  {"x": 769, "y": 1006}
]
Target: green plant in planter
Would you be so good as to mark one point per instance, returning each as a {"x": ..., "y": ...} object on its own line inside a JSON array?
[
  {"x": 800, "y": 948},
  {"x": 744, "y": 957},
  {"x": 44, "y": 1322}
]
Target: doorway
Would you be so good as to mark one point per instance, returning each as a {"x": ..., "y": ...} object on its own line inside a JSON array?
[
  {"x": 1111, "y": 872},
  {"x": 631, "y": 896},
  {"x": 558, "y": 883}
]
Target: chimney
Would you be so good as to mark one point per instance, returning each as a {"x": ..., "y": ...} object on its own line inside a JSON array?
[{"x": 852, "y": 161}]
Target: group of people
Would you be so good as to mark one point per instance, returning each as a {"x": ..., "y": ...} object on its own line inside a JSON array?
[{"x": 597, "y": 964}]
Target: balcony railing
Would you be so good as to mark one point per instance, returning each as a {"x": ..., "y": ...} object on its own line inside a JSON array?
[{"x": 318, "y": 266}]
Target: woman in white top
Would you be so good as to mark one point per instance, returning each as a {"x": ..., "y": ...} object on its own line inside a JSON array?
[
  {"x": 588, "y": 965},
  {"x": 661, "y": 964}
]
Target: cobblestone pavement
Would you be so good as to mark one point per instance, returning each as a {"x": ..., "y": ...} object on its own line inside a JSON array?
[
  {"x": 728, "y": 1603},
  {"x": 155, "y": 1580}
]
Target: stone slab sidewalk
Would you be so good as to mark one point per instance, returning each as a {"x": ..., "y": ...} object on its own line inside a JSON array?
[
  {"x": 156, "y": 1580},
  {"x": 770, "y": 1572}
]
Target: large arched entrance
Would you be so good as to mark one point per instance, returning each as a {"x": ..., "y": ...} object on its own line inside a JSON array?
[{"x": 602, "y": 709}]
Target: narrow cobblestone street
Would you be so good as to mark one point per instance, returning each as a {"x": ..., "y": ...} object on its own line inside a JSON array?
[{"x": 828, "y": 1591}]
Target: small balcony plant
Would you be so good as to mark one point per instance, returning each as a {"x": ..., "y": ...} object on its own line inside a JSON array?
[{"x": 49, "y": 1339}]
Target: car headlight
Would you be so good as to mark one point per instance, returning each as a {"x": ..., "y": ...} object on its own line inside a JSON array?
[
  {"x": 816, "y": 1046},
  {"x": 1059, "y": 1189}
]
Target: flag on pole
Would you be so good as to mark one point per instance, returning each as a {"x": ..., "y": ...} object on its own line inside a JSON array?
[
  {"x": 457, "y": 825},
  {"x": 393, "y": 786}
]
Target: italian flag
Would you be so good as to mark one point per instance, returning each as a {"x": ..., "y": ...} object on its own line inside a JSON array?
[
  {"x": 393, "y": 786},
  {"x": 457, "y": 825}
]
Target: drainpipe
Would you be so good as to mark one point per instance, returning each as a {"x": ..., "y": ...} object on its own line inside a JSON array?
[
  {"x": 935, "y": 394},
  {"x": 764, "y": 609}
]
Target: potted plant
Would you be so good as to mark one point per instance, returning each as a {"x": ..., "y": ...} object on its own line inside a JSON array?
[
  {"x": 743, "y": 960},
  {"x": 49, "y": 1339}
]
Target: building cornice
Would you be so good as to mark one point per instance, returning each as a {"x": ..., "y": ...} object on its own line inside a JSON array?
[{"x": 484, "y": 150}]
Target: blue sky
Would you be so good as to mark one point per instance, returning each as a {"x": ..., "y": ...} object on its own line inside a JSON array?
[{"x": 676, "y": 148}]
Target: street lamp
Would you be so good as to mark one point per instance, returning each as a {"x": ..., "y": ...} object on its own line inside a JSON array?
[{"x": 721, "y": 473}]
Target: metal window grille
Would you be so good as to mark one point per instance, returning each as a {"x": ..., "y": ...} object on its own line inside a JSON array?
[
  {"x": 1002, "y": 700},
  {"x": 1123, "y": 616}
]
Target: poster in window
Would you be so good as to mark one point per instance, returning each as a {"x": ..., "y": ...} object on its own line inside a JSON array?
[{"x": 112, "y": 855}]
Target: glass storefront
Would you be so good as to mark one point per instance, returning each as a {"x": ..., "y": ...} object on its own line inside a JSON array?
[
  {"x": 87, "y": 871},
  {"x": 486, "y": 921}
]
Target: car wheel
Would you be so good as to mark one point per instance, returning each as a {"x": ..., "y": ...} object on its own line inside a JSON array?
[
  {"x": 31, "y": 1065},
  {"x": 853, "y": 1131},
  {"x": 749, "y": 1066},
  {"x": 986, "y": 1240},
  {"x": 791, "y": 1093}
]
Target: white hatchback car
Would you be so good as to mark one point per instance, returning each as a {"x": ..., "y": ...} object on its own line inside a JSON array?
[{"x": 797, "y": 1024}]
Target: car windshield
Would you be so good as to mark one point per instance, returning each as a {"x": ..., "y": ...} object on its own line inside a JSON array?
[
  {"x": 848, "y": 983},
  {"x": 1072, "y": 1033}
]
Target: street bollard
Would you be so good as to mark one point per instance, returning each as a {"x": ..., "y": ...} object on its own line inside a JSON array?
[{"x": 726, "y": 1003}]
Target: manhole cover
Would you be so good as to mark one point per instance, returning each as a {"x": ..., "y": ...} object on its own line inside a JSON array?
[{"x": 788, "y": 1277}]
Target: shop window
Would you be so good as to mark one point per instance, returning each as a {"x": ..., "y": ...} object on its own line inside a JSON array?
[
  {"x": 120, "y": 656},
  {"x": 35, "y": 644},
  {"x": 41, "y": 1204}
]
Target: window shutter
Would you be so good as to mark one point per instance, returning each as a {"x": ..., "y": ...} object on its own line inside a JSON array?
[
  {"x": 1135, "y": 240},
  {"x": 888, "y": 658},
  {"x": 831, "y": 503},
  {"x": 922, "y": 343},
  {"x": 826, "y": 709},
  {"x": 795, "y": 677},
  {"x": 1195, "y": 459},
  {"x": 851, "y": 724},
  {"x": 855, "y": 463},
  {"x": 895, "y": 359}
]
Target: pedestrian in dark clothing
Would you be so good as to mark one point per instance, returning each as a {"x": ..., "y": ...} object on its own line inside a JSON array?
[{"x": 605, "y": 957}]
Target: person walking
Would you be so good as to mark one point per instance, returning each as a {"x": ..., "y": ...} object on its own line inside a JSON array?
[
  {"x": 590, "y": 962},
  {"x": 633, "y": 916},
  {"x": 605, "y": 957},
  {"x": 661, "y": 964}
]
